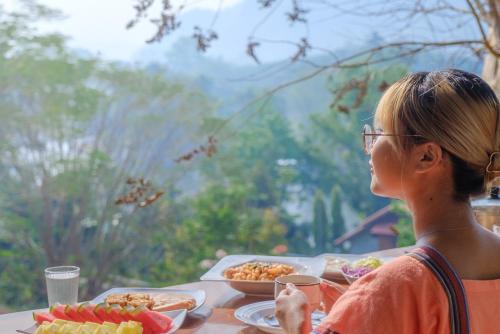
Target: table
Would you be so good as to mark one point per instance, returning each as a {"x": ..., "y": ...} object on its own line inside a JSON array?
[{"x": 215, "y": 316}]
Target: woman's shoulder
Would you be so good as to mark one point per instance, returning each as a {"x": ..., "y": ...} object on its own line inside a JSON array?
[{"x": 402, "y": 296}]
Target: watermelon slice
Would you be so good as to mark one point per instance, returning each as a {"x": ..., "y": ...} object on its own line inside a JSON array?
[
  {"x": 40, "y": 317},
  {"x": 72, "y": 312},
  {"x": 126, "y": 313},
  {"x": 113, "y": 313},
  {"x": 155, "y": 321},
  {"x": 57, "y": 311},
  {"x": 100, "y": 312},
  {"x": 134, "y": 315},
  {"x": 86, "y": 311}
]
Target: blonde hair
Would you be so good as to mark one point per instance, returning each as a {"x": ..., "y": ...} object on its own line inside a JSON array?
[{"x": 454, "y": 109}]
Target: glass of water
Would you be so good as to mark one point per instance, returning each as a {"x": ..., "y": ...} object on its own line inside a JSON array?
[
  {"x": 496, "y": 229},
  {"x": 62, "y": 284}
]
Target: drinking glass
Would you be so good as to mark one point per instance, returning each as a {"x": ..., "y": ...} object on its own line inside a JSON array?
[
  {"x": 62, "y": 284},
  {"x": 496, "y": 229}
]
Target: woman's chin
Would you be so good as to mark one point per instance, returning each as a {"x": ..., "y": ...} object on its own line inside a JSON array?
[{"x": 377, "y": 190}]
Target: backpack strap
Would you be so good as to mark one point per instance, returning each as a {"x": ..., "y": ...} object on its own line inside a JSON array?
[{"x": 452, "y": 284}]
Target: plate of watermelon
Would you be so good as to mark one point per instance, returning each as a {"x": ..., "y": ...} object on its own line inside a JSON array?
[{"x": 105, "y": 318}]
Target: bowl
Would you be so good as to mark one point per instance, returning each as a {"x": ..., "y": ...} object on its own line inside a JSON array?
[
  {"x": 302, "y": 265},
  {"x": 351, "y": 274}
]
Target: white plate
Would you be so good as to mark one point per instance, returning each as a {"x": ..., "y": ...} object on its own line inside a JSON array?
[
  {"x": 334, "y": 272},
  {"x": 198, "y": 295},
  {"x": 177, "y": 316},
  {"x": 302, "y": 265},
  {"x": 261, "y": 315}
]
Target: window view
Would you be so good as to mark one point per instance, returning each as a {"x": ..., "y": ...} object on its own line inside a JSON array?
[{"x": 227, "y": 147}]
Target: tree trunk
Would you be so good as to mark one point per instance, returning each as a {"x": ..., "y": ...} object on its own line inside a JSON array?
[{"x": 491, "y": 66}]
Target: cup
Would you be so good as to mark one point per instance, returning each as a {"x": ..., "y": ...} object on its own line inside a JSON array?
[
  {"x": 308, "y": 284},
  {"x": 62, "y": 284}
]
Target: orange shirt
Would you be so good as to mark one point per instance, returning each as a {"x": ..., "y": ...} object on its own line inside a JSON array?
[{"x": 404, "y": 297}]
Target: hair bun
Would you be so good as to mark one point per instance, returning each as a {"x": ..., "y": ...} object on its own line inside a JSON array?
[{"x": 492, "y": 175}]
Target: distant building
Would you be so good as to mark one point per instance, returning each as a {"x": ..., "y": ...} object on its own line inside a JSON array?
[{"x": 376, "y": 232}]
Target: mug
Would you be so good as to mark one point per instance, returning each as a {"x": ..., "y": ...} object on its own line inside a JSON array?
[{"x": 308, "y": 284}]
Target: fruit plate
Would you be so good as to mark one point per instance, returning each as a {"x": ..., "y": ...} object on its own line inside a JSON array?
[
  {"x": 177, "y": 316},
  {"x": 198, "y": 295},
  {"x": 302, "y": 265}
]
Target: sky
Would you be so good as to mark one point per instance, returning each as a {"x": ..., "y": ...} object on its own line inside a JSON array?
[{"x": 99, "y": 25}]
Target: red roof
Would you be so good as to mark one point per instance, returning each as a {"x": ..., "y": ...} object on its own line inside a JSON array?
[
  {"x": 382, "y": 217},
  {"x": 384, "y": 229}
]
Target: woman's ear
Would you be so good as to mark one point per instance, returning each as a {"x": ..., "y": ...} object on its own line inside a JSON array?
[{"x": 427, "y": 157}]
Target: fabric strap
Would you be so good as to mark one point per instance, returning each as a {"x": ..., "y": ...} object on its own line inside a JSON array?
[{"x": 452, "y": 284}]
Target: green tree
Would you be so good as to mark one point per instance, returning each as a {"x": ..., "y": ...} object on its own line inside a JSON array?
[
  {"x": 338, "y": 225},
  {"x": 221, "y": 218},
  {"x": 404, "y": 227},
  {"x": 332, "y": 141},
  {"x": 320, "y": 222},
  {"x": 73, "y": 130}
]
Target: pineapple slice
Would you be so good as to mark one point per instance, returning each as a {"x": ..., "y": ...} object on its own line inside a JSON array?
[
  {"x": 42, "y": 329},
  {"x": 104, "y": 329},
  {"x": 87, "y": 328},
  {"x": 110, "y": 325},
  {"x": 130, "y": 327},
  {"x": 69, "y": 328},
  {"x": 64, "y": 322},
  {"x": 59, "y": 326},
  {"x": 46, "y": 328}
]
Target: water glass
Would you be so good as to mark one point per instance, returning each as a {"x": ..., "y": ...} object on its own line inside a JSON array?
[
  {"x": 62, "y": 284},
  {"x": 496, "y": 229}
]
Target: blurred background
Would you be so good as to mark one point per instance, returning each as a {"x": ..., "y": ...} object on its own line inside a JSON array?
[{"x": 144, "y": 140}]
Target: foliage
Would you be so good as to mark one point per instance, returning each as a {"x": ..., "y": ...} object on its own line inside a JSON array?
[
  {"x": 320, "y": 223},
  {"x": 333, "y": 141},
  {"x": 222, "y": 218},
  {"x": 73, "y": 129},
  {"x": 404, "y": 226},
  {"x": 338, "y": 225}
]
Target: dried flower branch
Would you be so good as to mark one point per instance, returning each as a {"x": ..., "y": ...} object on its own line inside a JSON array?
[
  {"x": 383, "y": 86},
  {"x": 251, "y": 51},
  {"x": 209, "y": 150},
  {"x": 266, "y": 3},
  {"x": 142, "y": 193},
  {"x": 360, "y": 85},
  {"x": 165, "y": 25},
  {"x": 297, "y": 14},
  {"x": 140, "y": 11},
  {"x": 303, "y": 46},
  {"x": 203, "y": 39}
]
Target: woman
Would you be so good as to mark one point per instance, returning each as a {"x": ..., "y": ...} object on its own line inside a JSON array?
[{"x": 436, "y": 143}]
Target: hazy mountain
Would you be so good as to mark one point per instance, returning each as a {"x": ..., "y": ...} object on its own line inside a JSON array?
[{"x": 235, "y": 85}]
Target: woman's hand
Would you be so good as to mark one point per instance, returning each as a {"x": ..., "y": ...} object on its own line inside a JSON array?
[
  {"x": 293, "y": 311},
  {"x": 330, "y": 292}
]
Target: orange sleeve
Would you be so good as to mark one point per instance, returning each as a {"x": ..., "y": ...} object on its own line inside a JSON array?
[{"x": 401, "y": 297}]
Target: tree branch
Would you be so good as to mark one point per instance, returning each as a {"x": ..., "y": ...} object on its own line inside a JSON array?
[
  {"x": 482, "y": 11},
  {"x": 483, "y": 34}
]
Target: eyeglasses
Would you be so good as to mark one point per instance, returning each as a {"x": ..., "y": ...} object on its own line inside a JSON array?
[{"x": 370, "y": 136}]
